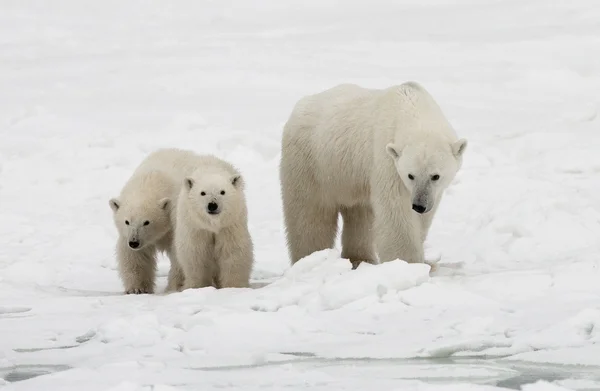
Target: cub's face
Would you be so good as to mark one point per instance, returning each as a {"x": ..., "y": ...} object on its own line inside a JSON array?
[
  {"x": 426, "y": 170},
  {"x": 215, "y": 199},
  {"x": 141, "y": 224}
]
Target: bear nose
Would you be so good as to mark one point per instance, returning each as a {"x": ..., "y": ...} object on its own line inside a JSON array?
[
  {"x": 418, "y": 208},
  {"x": 212, "y": 206},
  {"x": 134, "y": 244}
]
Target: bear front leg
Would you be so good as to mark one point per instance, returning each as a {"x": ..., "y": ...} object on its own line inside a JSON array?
[
  {"x": 427, "y": 220},
  {"x": 234, "y": 255},
  {"x": 137, "y": 269},
  {"x": 176, "y": 278},
  {"x": 397, "y": 233},
  {"x": 194, "y": 257}
]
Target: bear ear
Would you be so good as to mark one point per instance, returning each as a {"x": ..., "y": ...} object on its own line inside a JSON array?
[
  {"x": 114, "y": 204},
  {"x": 392, "y": 150},
  {"x": 189, "y": 183},
  {"x": 458, "y": 148},
  {"x": 165, "y": 203},
  {"x": 236, "y": 181}
]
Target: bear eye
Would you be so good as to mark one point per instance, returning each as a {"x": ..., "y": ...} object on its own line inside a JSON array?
[
  {"x": 146, "y": 222},
  {"x": 435, "y": 177},
  {"x": 202, "y": 194},
  {"x": 126, "y": 222},
  {"x": 411, "y": 177},
  {"x": 222, "y": 192}
]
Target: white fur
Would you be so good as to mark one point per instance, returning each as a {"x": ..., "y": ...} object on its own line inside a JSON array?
[
  {"x": 213, "y": 249},
  {"x": 150, "y": 195},
  {"x": 350, "y": 150}
]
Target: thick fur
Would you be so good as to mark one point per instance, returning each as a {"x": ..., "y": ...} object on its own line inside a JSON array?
[
  {"x": 213, "y": 249},
  {"x": 149, "y": 196},
  {"x": 349, "y": 150}
]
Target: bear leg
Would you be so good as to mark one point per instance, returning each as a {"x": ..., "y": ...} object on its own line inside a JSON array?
[
  {"x": 427, "y": 219},
  {"x": 137, "y": 269},
  {"x": 194, "y": 255},
  {"x": 176, "y": 279},
  {"x": 397, "y": 233},
  {"x": 309, "y": 226},
  {"x": 357, "y": 235},
  {"x": 234, "y": 256}
]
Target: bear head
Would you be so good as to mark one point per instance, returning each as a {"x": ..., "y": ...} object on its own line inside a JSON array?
[
  {"x": 142, "y": 223},
  {"x": 215, "y": 200},
  {"x": 427, "y": 169}
]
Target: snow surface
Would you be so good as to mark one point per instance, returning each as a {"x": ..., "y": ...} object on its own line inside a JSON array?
[{"x": 87, "y": 89}]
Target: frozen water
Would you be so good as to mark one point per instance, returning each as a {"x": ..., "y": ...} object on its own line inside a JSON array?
[{"x": 87, "y": 89}]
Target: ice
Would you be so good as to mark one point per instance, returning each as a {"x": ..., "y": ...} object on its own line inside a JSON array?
[
  {"x": 508, "y": 298},
  {"x": 542, "y": 386},
  {"x": 129, "y": 386},
  {"x": 580, "y": 384}
]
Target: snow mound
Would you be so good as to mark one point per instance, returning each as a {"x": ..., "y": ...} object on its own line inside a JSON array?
[
  {"x": 579, "y": 330},
  {"x": 323, "y": 281}
]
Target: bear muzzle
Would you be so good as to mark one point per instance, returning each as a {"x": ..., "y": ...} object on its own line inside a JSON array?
[
  {"x": 419, "y": 208},
  {"x": 213, "y": 208},
  {"x": 134, "y": 244}
]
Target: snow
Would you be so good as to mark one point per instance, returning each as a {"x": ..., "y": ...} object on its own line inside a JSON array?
[{"x": 87, "y": 89}]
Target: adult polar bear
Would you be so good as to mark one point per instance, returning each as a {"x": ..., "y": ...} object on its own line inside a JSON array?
[{"x": 381, "y": 158}]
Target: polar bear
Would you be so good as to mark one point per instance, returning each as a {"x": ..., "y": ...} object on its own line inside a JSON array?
[
  {"x": 212, "y": 242},
  {"x": 143, "y": 217},
  {"x": 380, "y": 158}
]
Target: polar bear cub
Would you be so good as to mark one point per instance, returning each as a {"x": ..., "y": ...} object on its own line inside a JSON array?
[
  {"x": 380, "y": 158},
  {"x": 142, "y": 214},
  {"x": 212, "y": 242}
]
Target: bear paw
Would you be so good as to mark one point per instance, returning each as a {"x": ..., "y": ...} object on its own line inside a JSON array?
[
  {"x": 356, "y": 262},
  {"x": 138, "y": 291}
]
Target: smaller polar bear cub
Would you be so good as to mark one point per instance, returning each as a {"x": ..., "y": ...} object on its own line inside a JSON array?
[
  {"x": 212, "y": 242},
  {"x": 143, "y": 223}
]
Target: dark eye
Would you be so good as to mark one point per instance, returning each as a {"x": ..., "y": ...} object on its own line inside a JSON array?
[
  {"x": 203, "y": 194},
  {"x": 146, "y": 222},
  {"x": 222, "y": 192},
  {"x": 435, "y": 177},
  {"x": 411, "y": 177},
  {"x": 126, "y": 222}
]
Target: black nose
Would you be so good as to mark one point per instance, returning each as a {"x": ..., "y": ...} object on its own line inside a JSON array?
[
  {"x": 134, "y": 244},
  {"x": 418, "y": 208},
  {"x": 212, "y": 206}
]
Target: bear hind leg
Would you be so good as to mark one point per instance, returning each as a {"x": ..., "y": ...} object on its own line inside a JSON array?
[
  {"x": 357, "y": 235},
  {"x": 309, "y": 227}
]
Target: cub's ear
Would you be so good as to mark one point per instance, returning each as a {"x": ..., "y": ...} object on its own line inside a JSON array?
[
  {"x": 458, "y": 148},
  {"x": 114, "y": 204},
  {"x": 237, "y": 181},
  {"x": 392, "y": 150},
  {"x": 165, "y": 203},
  {"x": 189, "y": 183}
]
